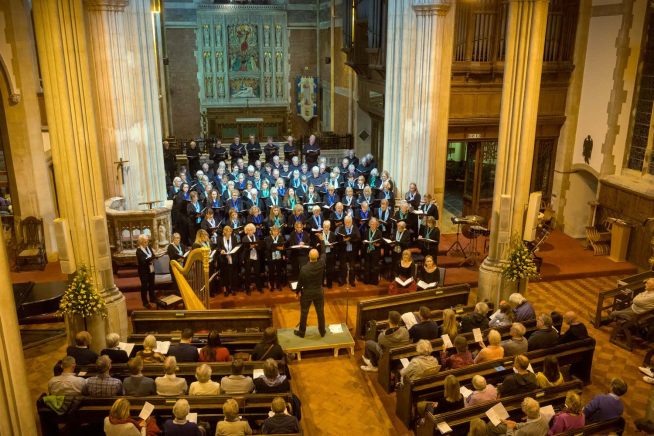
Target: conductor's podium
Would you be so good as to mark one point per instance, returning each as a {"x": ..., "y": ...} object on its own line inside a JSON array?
[{"x": 313, "y": 342}]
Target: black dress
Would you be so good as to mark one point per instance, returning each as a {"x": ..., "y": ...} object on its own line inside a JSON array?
[
  {"x": 429, "y": 277},
  {"x": 445, "y": 406},
  {"x": 145, "y": 260}
]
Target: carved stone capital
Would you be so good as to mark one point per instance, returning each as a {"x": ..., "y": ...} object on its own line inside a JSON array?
[
  {"x": 106, "y": 5},
  {"x": 431, "y": 7},
  {"x": 15, "y": 98}
]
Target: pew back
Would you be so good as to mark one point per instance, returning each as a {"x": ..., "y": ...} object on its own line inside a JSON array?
[{"x": 166, "y": 321}]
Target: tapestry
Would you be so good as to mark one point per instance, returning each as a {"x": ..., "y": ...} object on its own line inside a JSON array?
[
  {"x": 243, "y": 48},
  {"x": 307, "y": 105}
]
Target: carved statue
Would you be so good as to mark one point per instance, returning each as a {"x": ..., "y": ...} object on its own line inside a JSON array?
[
  {"x": 219, "y": 61},
  {"x": 221, "y": 88},
  {"x": 279, "y": 57},
  {"x": 266, "y": 35},
  {"x": 208, "y": 87},
  {"x": 163, "y": 239},
  {"x": 207, "y": 36},
  {"x": 278, "y": 35},
  {"x": 267, "y": 56},
  {"x": 267, "y": 87},
  {"x": 203, "y": 131},
  {"x": 280, "y": 87},
  {"x": 207, "y": 62},
  {"x": 219, "y": 35}
]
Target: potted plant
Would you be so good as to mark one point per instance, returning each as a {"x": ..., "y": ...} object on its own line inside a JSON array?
[{"x": 520, "y": 266}]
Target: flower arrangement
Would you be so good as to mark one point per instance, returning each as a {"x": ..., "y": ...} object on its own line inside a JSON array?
[
  {"x": 520, "y": 264},
  {"x": 82, "y": 298}
]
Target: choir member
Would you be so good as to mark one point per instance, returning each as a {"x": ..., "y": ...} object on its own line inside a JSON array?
[
  {"x": 291, "y": 200},
  {"x": 145, "y": 260},
  {"x": 371, "y": 251},
  {"x": 214, "y": 201},
  {"x": 253, "y": 200},
  {"x": 328, "y": 240},
  {"x": 298, "y": 245},
  {"x": 179, "y": 205},
  {"x": 405, "y": 271},
  {"x": 273, "y": 199},
  {"x": 401, "y": 241},
  {"x": 366, "y": 195},
  {"x": 254, "y": 150},
  {"x": 229, "y": 262},
  {"x": 429, "y": 238},
  {"x": 295, "y": 165},
  {"x": 276, "y": 217},
  {"x": 349, "y": 251},
  {"x": 295, "y": 180},
  {"x": 348, "y": 200},
  {"x": 331, "y": 197},
  {"x": 210, "y": 225},
  {"x": 403, "y": 213},
  {"x": 302, "y": 190},
  {"x": 202, "y": 240},
  {"x": 334, "y": 179},
  {"x": 351, "y": 158},
  {"x": 258, "y": 220},
  {"x": 311, "y": 197},
  {"x": 363, "y": 216},
  {"x": 280, "y": 185},
  {"x": 383, "y": 215},
  {"x": 270, "y": 149},
  {"x": 428, "y": 208},
  {"x": 311, "y": 151},
  {"x": 218, "y": 153},
  {"x": 275, "y": 256},
  {"x": 286, "y": 171},
  {"x": 413, "y": 196},
  {"x": 236, "y": 150},
  {"x": 265, "y": 190},
  {"x": 429, "y": 273},
  {"x": 174, "y": 189},
  {"x": 235, "y": 202},
  {"x": 314, "y": 221},
  {"x": 374, "y": 181},
  {"x": 252, "y": 258},
  {"x": 360, "y": 184},
  {"x": 290, "y": 149},
  {"x": 297, "y": 216},
  {"x": 170, "y": 160},
  {"x": 338, "y": 215},
  {"x": 176, "y": 249},
  {"x": 193, "y": 156},
  {"x": 194, "y": 213}
]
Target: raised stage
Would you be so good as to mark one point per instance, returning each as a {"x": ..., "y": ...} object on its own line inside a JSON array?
[{"x": 313, "y": 342}]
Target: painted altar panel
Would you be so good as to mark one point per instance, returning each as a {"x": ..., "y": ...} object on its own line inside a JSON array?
[{"x": 242, "y": 54}]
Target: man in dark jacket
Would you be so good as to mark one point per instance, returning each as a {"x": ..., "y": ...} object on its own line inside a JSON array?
[
  {"x": 309, "y": 288},
  {"x": 184, "y": 351},
  {"x": 546, "y": 336},
  {"x": 576, "y": 331},
  {"x": 426, "y": 328},
  {"x": 521, "y": 382},
  {"x": 476, "y": 320},
  {"x": 280, "y": 422}
]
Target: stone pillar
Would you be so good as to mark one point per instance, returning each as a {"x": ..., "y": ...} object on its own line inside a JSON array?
[
  {"x": 525, "y": 41},
  {"x": 418, "y": 68},
  {"x": 126, "y": 95},
  {"x": 63, "y": 55}
]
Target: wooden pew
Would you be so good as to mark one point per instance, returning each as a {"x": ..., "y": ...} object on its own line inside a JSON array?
[
  {"x": 615, "y": 299},
  {"x": 92, "y": 411},
  {"x": 166, "y": 321},
  {"x": 578, "y": 355},
  {"x": 390, "y": 359},
  {"x": 233, "y": 341},
  {"x": 459, "y": 420},
  {"x": 440, "y": 298},
  {"x": 623, "y": 330},
  {"x": 599, "y": 428}
]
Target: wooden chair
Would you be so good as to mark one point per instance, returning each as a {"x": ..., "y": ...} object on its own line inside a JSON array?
[{"x": 31, "y": 248}]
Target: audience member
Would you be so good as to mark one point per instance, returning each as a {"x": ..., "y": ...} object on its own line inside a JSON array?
[
  {"x": 269, "y": 347},
  {"x": 460, "y": 359},
  {"x": 450, "y": 325},
  {"x": 113, "y": 351},
  {"x": 232, "y": 425},
  {"x": 394, "y": 336},
  {"x": 641, "y": 303},
  {"x": 118, "y": 423},
  {"x": 522, "y": 381},
  {"x": 570, "y": 418},
  {"x": 180, "y": 426},
  {"x": 522, "y": 308},
  {"x": 483, "y": 391},
  {"x": 204, "y": 385},
  {"x": 136, "y": 384},
  {"x": 103, "y": 385},
  {"x": 236, "y": 382},
  {"x": 281, "y": 422},
  {"x": 213, "y": 352},
  {"x": 477, "y": 427},
  {"x": 423, "y": 363},
  {"x": 147, "y": 353},
  {"x": 576, "y": 329},
  {"x": 478, "y": 319},
  {"x": 503, "y": 317},
  {"x": 170, "y": 385},
  {"x": 551, "y": 374},
  {"x": 606, "y": 406},
  {"x": 184, "y": 351},
  {"x": 535, "y": 425},
  {"x": 67, "y": 383},
  {"x": 272, "y": 381},
  {"x": 80, "y": 351},
  {"x": 493, "y": 350},
  {"x": 452, "y": 398},
  {"x": 426, "y": 328},
  {"x": 545, "y": 336},
  {"x": 517, "y": 343}
]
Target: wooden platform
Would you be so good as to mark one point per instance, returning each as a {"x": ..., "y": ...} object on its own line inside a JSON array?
[{"x": 313, "y": 342}]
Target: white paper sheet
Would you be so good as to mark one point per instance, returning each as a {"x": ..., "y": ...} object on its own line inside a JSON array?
[
  {"x": 443, "y": 427},
  {"x": 405, "y": 362},
  {"x": 162, "y": 347},
  {"x": 126, "y": 346},
  {"x": 146, "y": 411},
  {"x": 81, "y": 374},
  {"x": 294, "y": 286},
  {"x": 405, "y": 282},
  {"x": 424, "y": 285},
  {"x": 409, "y": 319},
  {"x": 494, "y": 315},
  {"x": 547, "y": 412},
  {"x": 497, "y": 413},
  {"x": 335, "y": 328},
  {"x": 447, "y": 341},
  {"x": 476, "y": 333},
  {"x": 192, "y": 417},
  {"x": 465, "y": 391},
  {"x": 235, "y": 249},
  {"x": 257, "y": 372}
]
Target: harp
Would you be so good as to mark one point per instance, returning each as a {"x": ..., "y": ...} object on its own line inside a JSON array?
[{"x": 193, "y": 279}]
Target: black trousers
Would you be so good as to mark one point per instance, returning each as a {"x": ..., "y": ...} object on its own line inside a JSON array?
[
  {"x": 252, "y": 272},
  {"x": 330, "y": 266},
  {"x": 319, "y": 304},
  {"x": 229, "y": 274},
  {"x": 371, "y": 271},
  {"x": 276, "y": 273},
  {"x": 147, "y": 288},
  {"x": 348, "y": 261}
]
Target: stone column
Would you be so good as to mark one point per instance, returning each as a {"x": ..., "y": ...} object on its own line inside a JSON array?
[
  {"x": 525, "y": 41},
  {"x": 418, "y": 67},
  {"x": 61, "y": 40},
  {"x": 126, "y": 95}
]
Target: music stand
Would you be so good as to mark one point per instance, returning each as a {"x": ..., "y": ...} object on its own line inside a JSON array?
[{"x": 456, "y": 248}]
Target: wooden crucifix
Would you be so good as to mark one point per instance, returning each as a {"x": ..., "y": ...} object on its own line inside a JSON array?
[{"x": 120, "y": 166}]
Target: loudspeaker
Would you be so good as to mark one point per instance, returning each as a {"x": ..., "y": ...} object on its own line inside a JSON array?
[
  {"x": 504, "y": 227},
  {"x": 64, "y": 246},
  {"x": 101, "y": 246},
  {"x": 532, "y": 216},
  {"x": 328, "y": 60}
]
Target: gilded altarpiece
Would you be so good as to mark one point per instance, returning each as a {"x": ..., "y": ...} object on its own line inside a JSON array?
[{"x": 242, "y": 53}]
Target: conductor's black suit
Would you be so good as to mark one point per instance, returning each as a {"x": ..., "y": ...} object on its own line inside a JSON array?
[{"x": 310, "y": 288}]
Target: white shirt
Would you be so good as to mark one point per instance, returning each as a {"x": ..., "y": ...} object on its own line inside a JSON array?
[
  {"x": 207, "y": 388},
  {"x": 170, "y": 385},
  {"x": 66, "y": 384}
]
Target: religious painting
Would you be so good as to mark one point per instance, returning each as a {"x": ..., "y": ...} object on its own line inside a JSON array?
[
  {"x": 243, "y": 48},
  {"x": 307, "y": 104},
  {"x": 245, "y": 87}
]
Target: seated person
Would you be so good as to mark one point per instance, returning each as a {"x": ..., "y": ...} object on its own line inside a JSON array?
[
  {"x": 103, "y": 385},
  {"x": 236, "y": 382},
  {"x": 269, "y": 347},
  {"x": 405, "y": 269},
  {"x": 576, "y": 329},
  {"x": 421, "y": 364},
  {"x": 429, "y": 273},
  {"x": 450, "y": 324},
  {"x": 570, "y": 418},
  {"x": 477, "y": 427},
  {"x": 115, "y": 354},
  {"x": 522, "y": 308},
  {"x": 180, "y": 426},
  {"x": 394, "y": 336},
  {"x": 280, "y": 422},
  {"x": 147, "y": 353},
  {"x": 493, "y": 351},
  {"x": 517, "y": 343},
  {"x": 119, "y": 423},
  {"x": 452, "y": 398},
  {"x": 503, "y": 317},
  {"x": 204, "y": 385},
  {"x": 213, "y": 352},
  {"x": 67, "y": 383},
  {"x": 232, "y": 425},
  {"x": 272, "y": 381},
  {"x": 641, "y": 303},
  {"x": 606, "y": 406},
  {"x": 551, "y": 374},
  {"x": 478, "y": 319},
  {"x": 483, "y": 391},
  {"x": 545, "y": 336},
  {"x": 184, "y": 351},
  {"x": 522, "y": 381},
  {"x": 80, "y": 351},
  {"x": 170, "y": 385},
  {"x": 460, "y": 359},
  {"x": 426, "y": 328},
  {"x": 534, "y": 425},
  {"x": 136, "y": 384}
]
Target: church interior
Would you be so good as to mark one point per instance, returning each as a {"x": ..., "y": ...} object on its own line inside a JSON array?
[{"x": 326, "y": 217}]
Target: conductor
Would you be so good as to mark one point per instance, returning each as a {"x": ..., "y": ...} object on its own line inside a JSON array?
[{"x": 309, "y": 287}]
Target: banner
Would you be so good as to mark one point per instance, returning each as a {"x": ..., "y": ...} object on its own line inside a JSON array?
[{"x": 307, "y": 97}]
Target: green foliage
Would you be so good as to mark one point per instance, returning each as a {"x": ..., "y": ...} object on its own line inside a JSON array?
[
  {"x": 520, "y": 263},
  {"x": 82, "y": 298}
]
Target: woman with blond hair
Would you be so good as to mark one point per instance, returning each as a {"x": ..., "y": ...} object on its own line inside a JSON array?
[
  {"x": 452, "y": 398},
  {"x": 204, "y": 385},
  {"x": 405, "y": 270},
  {"x": 147, "y": 353},
  {"x": 145, "y": 261},
  {"x": 170, "y": 385},
  {"x": 423, "y": 363},
  {"x": 570, "y": 418},
  {"x": 450, "y": 324},
  {"x": 232, "y": 425},
  {"x": 493, "y": 351},
  {"x": 119, "y": 423}
]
